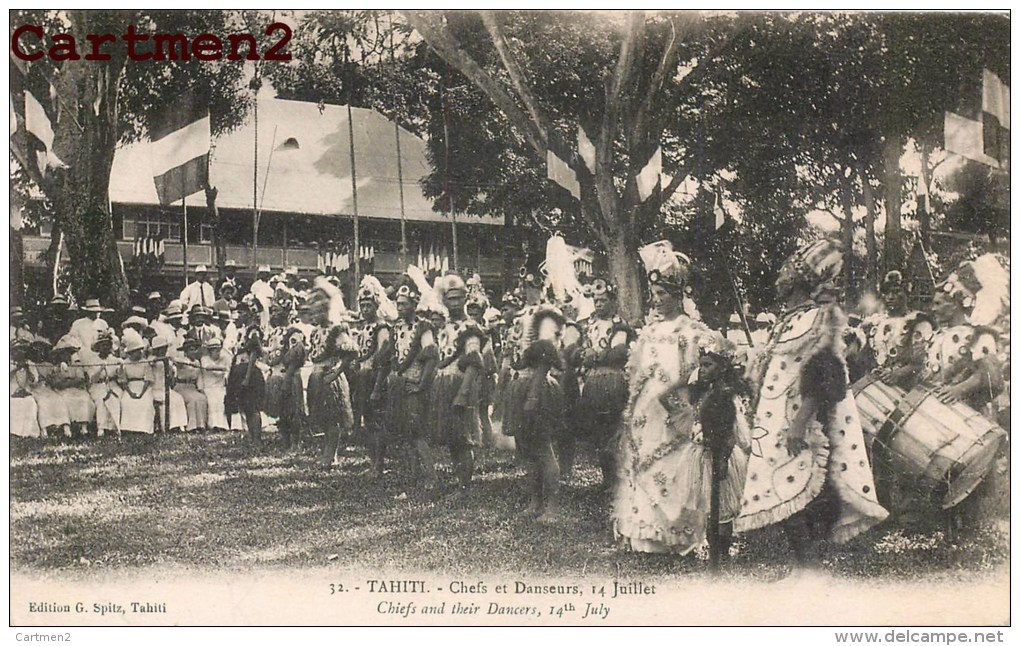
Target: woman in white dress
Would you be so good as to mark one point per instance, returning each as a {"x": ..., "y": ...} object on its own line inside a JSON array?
[
  {"x": 650, "y": 512},
  {"x": 137, "y": 413},
  {"x": 54, "y": 418},
  {"x": 70, "y": 381},
  {"x": 24, "y": 410},
  {"x": 103, "y": 386},
  {"x": 215, "y": 365},
  {"x": 189, "y": 371}
]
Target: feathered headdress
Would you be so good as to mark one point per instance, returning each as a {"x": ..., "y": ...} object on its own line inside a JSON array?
[
  {"x": 428, "y": 299},
  {"x": 337, "y": 310},
  {"x": 665, "y": 266},
  {"x": 542, "y": 314},
  {"x": 982, "y": 286},
  {"x": 819, "y": 263},
  {"x": 373, "y": 289},
  {"x": 562, "y": 277},
  {"x": 476, "y": 293}
]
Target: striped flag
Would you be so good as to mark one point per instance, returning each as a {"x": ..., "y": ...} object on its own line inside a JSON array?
[
  {"x": 37, "y": 124},
  {"x": 995, "y": 117},
  {"x": 586, "y": 149},
  {"x": 650, "y": 176},
  {"x": 559, "y": 172},
  {"x": 965, "y": 137},
  {"x": 180, "y": 150}
]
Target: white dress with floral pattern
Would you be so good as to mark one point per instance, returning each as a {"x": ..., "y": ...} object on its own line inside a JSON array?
[{"x": 649, "y": 514}]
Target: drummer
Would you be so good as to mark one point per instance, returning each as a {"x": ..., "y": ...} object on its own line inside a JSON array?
[{"x": 963, "y": 357}]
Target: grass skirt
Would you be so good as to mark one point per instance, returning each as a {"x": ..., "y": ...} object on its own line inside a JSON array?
[
  {"x": 603, "y": 398},
  {"x": 448, "y": 425}
]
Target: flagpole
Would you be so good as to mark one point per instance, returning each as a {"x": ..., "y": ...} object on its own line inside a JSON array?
[
  {"x": 184, "y": 235},
  {"x": 354, "y": 197},
  {"x": 446, "y": 168},
  {"x": 255, "y": 188},
  {"x": 400, "y": 183},
  {"x": 400, "y": 171}
]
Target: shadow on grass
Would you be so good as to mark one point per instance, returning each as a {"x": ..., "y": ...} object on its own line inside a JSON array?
[{"x": 209, "y": 501}]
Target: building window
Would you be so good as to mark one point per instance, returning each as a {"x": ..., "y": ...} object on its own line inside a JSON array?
[
  {"x": 151, "y": 226},
  {"x": 205, "y": 233}
]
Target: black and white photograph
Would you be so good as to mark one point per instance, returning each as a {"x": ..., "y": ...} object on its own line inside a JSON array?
[{"x": 576, "y": 317}]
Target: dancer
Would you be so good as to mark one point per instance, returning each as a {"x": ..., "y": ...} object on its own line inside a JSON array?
[
  {"x": 649, "y": 515},
  {"x": 809, "y": 469}
]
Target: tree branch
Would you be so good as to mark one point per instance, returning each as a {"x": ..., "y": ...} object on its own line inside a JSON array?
[
  {"x": 515, "y": 72},
  {"x": 669, "y": 189},
  {"x": 440, "y": 40},
  {"x": 604, "y": 180},
  {"x": 668, "y": 62}
]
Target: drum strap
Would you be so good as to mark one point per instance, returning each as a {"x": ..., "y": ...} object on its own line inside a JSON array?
[{"x": 905, "y": 408}]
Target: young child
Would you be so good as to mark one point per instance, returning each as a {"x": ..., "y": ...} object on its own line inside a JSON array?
[
  {"x": 246, "y": 387},
  {"x": 292, "y": 410},
  {"x": 714, "y": 463}
]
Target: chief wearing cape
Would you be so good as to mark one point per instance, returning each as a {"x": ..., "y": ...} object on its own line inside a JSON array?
[{"x": 808, "y": 468}]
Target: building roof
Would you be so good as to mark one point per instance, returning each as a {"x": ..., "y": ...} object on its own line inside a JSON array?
[{"x": 306, "y": 148}]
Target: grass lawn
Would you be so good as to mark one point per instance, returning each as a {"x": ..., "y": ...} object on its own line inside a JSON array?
[{"x": 207, "y": 502}]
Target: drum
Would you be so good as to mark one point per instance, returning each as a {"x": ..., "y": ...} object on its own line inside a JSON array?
[{"x": 931, "y": 434}]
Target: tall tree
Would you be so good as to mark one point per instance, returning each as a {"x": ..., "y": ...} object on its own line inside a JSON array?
[
  {"x": 553, "y": 73},
  {"x": 99, "y": 103}
]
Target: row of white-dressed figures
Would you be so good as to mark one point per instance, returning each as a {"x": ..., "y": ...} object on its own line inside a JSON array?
[{"x": 136, "y": 408}]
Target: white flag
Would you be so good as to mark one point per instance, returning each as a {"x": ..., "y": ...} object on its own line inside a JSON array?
[
  {"x": 995, "y": 98},
  {"x": 650, "y": 175},
  {"x": 586, "y": 149},
  {"x": 559, "y": 172},
  {"x": 965, "y": 137},
  {"x": 38, "y": 124}
]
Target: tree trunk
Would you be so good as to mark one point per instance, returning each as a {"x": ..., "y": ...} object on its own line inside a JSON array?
[
  {"x": 892, "y": 186},
  {"x": 86, "y": 137},
  {"x": 17, "y": 264},
  {"x": 849, "y": 274},
  {"x": 922, "y": 197},
  {"x": 624, "y": 270},
  {"x": 869, "y": 231}
]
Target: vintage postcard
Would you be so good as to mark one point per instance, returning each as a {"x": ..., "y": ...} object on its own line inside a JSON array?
[{"x": 510, "y": 318}]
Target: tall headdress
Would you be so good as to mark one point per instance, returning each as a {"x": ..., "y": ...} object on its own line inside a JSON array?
[
  {"x": 664, "y": 266},
  {"x": 428, "y": 299},
  {"x": 982, "y": 287},
  {"x": 819, "y": 264},
  {"x": 562, "y": 277},
  {"x": 372, "y": 289},
  {"x": 476, "y": 293},
  {"x": 337, "y": 310}
]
